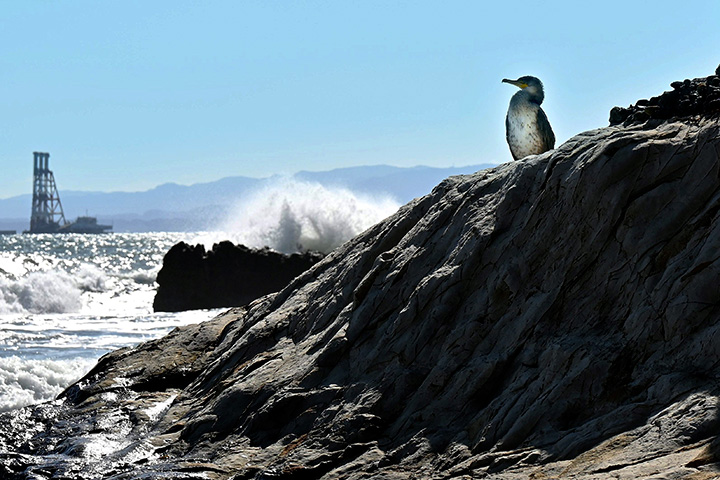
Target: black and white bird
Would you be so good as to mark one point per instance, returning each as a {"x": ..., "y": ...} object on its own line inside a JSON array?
[{"x": 528, "y": 130}]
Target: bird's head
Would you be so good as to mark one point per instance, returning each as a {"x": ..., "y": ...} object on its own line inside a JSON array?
[{"x": 532, "y": 85}]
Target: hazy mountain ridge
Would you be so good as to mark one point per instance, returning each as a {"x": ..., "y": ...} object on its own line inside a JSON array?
[{"x": 199, "y": 206}]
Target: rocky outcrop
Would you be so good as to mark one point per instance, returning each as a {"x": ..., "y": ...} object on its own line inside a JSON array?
[
  {"x": 556, "y": 317},
  {"x": 699, "y": 96},
  {"x": 226, "y": 276}
]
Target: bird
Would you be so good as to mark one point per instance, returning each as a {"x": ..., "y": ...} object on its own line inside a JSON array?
[{"x": 527, "y": 129}]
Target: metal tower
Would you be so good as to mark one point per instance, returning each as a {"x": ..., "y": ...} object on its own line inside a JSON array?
[{"x": 47, "y": 213}]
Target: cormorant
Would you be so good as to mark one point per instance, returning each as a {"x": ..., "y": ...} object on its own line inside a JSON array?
[{"x": 528, "y": 131}]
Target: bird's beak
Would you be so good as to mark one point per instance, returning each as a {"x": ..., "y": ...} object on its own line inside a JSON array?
[{"x": 517, "y": 83}]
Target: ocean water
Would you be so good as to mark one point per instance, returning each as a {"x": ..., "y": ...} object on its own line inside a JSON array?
[{"x": 65, "y": 300}]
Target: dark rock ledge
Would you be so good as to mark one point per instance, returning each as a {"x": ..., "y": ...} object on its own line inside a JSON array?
[
  {"x": 699, "y": 96},
  {"x": 556, "y": 317},
  {"x": 227, "y": 275}
]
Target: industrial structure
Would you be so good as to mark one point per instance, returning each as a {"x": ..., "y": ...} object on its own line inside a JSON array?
[{"x": 47, "y": 213}]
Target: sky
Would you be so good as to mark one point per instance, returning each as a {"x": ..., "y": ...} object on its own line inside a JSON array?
[{"x": 126, "y": 95}]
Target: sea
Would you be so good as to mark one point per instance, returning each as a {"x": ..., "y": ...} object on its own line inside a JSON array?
[{"x": 66, "y": 300}]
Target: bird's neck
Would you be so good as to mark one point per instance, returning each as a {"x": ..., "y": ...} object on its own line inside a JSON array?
[{"x": 526, "y": 95}]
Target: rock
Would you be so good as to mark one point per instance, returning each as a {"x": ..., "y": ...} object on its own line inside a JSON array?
[
  {"x": 226, "y": 276},
  {"x": 556, "y": 317},
  {"x": 700, "y": 96}
]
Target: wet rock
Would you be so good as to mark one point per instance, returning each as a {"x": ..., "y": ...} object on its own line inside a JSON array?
[
  {"x": 226, "y": 276},
  {"x": 556, "y": 317}
]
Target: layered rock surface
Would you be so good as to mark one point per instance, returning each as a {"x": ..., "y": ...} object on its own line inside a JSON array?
[{"x": 556, "y": 317}]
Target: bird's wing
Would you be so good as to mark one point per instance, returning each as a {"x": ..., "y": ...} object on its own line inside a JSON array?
[
  {"x": 548, "y": 137},
  {"x": 507, "y": 136}
]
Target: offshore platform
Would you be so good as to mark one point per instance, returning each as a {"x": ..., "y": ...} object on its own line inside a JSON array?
[{"x": 47, "y": 212}]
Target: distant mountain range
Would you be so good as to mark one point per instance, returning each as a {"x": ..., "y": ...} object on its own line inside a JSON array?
[{"x": 173, "y": 207}]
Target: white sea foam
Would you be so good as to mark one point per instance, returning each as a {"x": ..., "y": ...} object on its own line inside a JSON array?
[
  {"x": 40, "y": 355},
  {"x": 65, "y": 300},
  {"x": 145, "y": 277},
  {"x": 24, "y": 382},
  {"x": 90, "y": 278},
  {"x": 291, "y": 216},
  {"x": 83, "y": 287},
  {"x": 40, "y": 292},
  {"x": 52, "y": 291}
]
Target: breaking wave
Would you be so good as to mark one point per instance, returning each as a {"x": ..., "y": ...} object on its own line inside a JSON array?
[
  {"x": 24, "y": 382},
  {"x": 40, "y": 292},
  {"x": 65, "y": 300},
  {"x": 291, "y": 216}
]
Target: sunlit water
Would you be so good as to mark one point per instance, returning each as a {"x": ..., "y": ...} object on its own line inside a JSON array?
[{"x": 65, "y": 300}]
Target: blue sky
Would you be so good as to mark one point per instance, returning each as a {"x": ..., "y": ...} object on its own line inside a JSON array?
[{"x": 126, "y": 95}]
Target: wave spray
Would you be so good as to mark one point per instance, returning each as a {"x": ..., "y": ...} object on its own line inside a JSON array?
[{"x": 291, "y": 216}]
